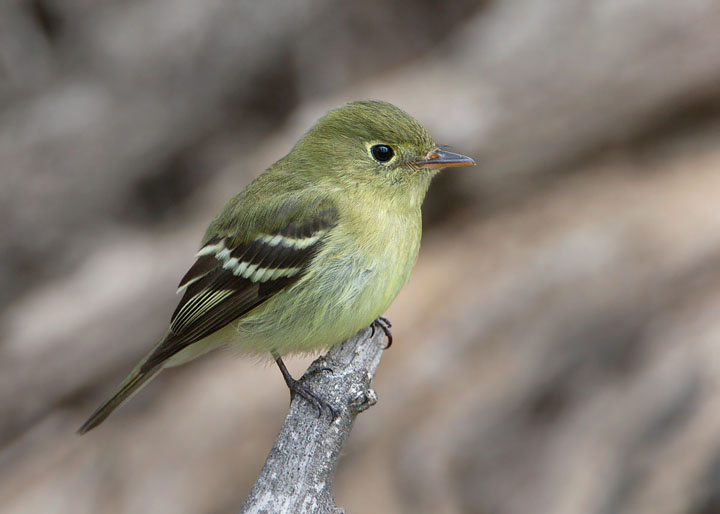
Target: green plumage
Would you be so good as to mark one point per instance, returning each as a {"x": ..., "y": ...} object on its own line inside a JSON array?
[{"x": 312, "y": 251}]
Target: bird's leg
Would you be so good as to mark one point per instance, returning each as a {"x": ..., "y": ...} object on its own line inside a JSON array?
[
  {"x": 302, "y": 389},
  {"x": 384, "y": 325}
]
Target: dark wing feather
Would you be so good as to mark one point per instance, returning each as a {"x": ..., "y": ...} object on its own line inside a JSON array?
[{"x": 231, "y": 277}]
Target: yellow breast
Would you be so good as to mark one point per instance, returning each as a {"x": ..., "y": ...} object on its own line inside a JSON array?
[{"x": 352, "y": 281}]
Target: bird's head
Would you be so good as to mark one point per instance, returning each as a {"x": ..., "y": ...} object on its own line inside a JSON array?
[{"x": 376, "y": 146}]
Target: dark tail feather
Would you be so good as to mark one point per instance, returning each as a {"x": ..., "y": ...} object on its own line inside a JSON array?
[{"x": 131, "y": 385}]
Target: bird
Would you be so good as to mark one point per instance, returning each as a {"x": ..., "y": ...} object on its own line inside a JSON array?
[{"x": 312, "y": 251}]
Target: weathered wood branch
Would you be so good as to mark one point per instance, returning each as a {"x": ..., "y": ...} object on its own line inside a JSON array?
[{"x": 298, "y": 474}]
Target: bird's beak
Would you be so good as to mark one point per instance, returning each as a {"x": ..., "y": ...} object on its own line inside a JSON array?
[{"x": 442, "y": 159}]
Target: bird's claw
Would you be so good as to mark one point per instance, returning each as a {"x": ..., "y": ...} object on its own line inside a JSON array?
[
  {"x": 384, "y": 325},
  {"x": 303, "y": 390}
]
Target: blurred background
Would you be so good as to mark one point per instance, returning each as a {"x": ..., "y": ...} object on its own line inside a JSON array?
[{"x": 558, "y": 347}]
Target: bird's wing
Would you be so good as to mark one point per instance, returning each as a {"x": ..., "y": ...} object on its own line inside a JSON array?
[{"x": 235, "y": 273}]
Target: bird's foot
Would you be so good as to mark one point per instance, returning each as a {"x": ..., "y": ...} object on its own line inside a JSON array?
[
  {"x": 300, "y": 388},
  {"x": 305, "y": 391},
  {"x": 384, "y": 324}
]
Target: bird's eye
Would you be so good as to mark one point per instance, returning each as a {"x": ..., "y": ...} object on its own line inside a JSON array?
[{"x": 382, "y": 153}]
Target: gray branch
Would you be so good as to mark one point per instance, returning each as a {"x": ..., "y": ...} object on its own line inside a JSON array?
[{"x": 298, "y": 474}]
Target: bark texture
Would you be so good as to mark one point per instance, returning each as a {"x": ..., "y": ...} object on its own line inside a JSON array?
[{"x": 298, "y": 474}]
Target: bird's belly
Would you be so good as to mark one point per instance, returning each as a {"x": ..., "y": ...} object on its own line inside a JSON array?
[{"x": 339, "y": 298}]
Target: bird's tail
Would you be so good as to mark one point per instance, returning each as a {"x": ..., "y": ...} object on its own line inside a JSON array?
[{"x": 126, "y": 390}]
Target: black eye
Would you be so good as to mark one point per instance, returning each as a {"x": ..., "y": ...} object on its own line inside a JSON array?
[{"x": 382, "y": 153}]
